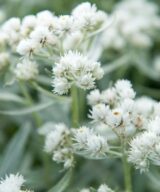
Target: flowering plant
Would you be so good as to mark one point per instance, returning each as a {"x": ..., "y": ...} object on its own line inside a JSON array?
[{"x": 53, "y": 71}]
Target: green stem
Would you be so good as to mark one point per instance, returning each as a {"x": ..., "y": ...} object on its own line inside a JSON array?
[
  {"x": 29, "y": 102},
  {"x": 75, "y": 107},
  {"x": 127, "y": 171}
]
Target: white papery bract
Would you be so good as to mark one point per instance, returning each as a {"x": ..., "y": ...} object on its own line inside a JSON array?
[
  {"x": 11, "y": 183},
  {"x": 88, "y": 18},
  {"x": 114, "y": 106},
  {"x": 28, "y": 24},
  {"x": 142, "y": 149},
  {"x": 12, "y": 28},
  {"x": 44, "y": 37},
  {"x": 104, "y": 188},
  {"x": 27, "y": 70},
  {"x": 58, "y": 143},
  {"x": 27, "y": 47},
  {"x": 89, "y": 144},
  {"x": 75, "y": 69},
  {"x": 132, "y": 26}
]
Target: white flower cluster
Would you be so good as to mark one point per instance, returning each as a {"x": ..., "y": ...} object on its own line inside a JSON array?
[
  {"x": 145, "y": 147},
  {"x": 58, "y": 143},
  {"x": 27, "y": 70},
  {"x": 102, "y": 188},
  {"x": 75, "y": 69},
  {"x": 114, "y": 106},
  {"x": 89, "y": 144},
  {"x": 133, "y": 27},
  {"x": 12, "y": 183},
  {"x": 117, "y": 108},
  {"x": 46, "y": 35}
]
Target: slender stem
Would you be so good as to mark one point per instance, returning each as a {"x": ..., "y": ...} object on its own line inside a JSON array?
[
  {"x": 29, "y": 102},
  {"x": 127, "y": 171},
  {"x": 75, "y": 106}
]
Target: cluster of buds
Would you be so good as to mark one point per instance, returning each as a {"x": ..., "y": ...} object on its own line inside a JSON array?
[
  {"x": 75, "y": 69},
  {"x": 132, "y": 27},
  {"x": 58, "y": 143}
]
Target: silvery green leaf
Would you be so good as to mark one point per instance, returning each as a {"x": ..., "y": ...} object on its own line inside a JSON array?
[
  {"x": 14, "y": 151},
  {"x": 28, "y": 110},
  {"x": 63, "y": 183}
]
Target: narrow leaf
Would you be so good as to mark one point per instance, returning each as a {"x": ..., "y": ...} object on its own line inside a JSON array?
[
  {"x": 14, "y": 151},
  {"x": 28, "y": 110},
  {"x": 63, "y": 183}
]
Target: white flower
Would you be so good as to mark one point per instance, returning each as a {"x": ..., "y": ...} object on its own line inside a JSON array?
[
  {"x": 142, "y": 149},
  {"x": 104, "y": 188},
  {"x": 28, "y": 24},
  {"x": 12, "y": 183},
  {"x": 86, "y": 81},
  {"x": 89, "y": 144},
  {"x": 154, "y": 125},
  {"x": 27, "y": 47},
  {"x": 74, "y": 68},
  {"x": 47, "y": 19},
  {"x": 27, "y": 70},
  {"x": 65, "y": 25},
  {"x": 99, "y": 113},
  {"x": 12, "y": 28},
  {"x": 109, "y": 96},
  {"x": 12, "y": 24},
  {"x": 53, "y": 138},
  {"x": 61, "y": 85},
  {"x": 132, "y": 27},
  {"x": 94, "y": 97},
  {"x": 124, "y": 89},
  {"x": 144, "y": 106},
  {"x": 88, "y": 18},
  {"x": 42, "y": 35}
]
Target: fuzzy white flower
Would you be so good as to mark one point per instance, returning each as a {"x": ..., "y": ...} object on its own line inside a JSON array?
[
  {"x": 12, "y": 28},
  {"x": 26, "y": 70},
  {"x": 12, "y": 183},
  {"x": 28, "y": 24},
  {"x": 74, "y": 68},
  {"x": 44, "y": 37},
  {"x": 88, "y": 17},
  {"x": 53, "y": 138},
  {"x": 47, "y": 19},
  {"x": 104, "y": 188},
  {"x": 142, "y": 149},
  {"x": 94, "y": 97},
  {"x": 109, "y": 96},
  {"x": 65, "y": 25},
  {"x": 124, "y": 89},
  {"x": 89, "y": 144},
  {"x": 99, "y": 113},
  {"x": 132, "y": 27},
  {"x": 61, "y": 85},
  {"x": 27, "y": 47}
]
